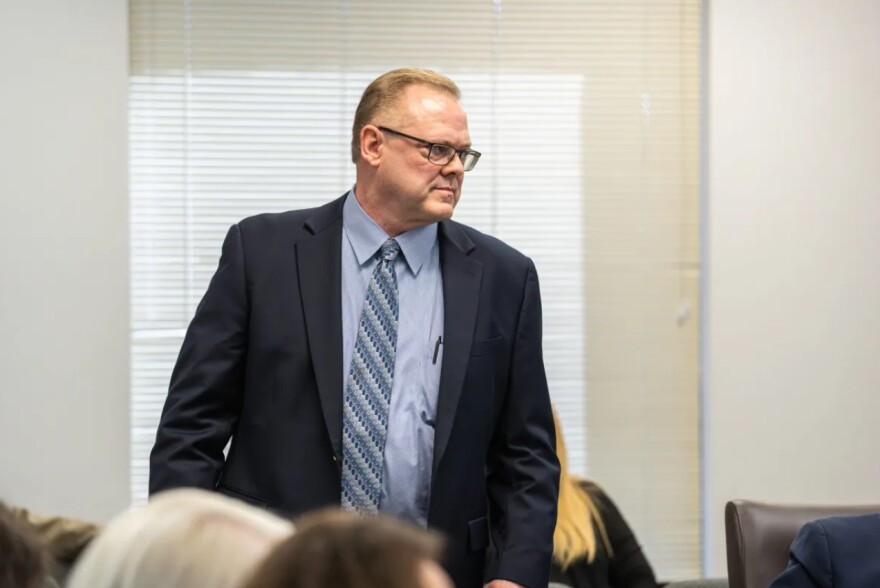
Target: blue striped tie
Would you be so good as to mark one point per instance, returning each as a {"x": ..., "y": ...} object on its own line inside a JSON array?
[{"x": 368, "y": 390}]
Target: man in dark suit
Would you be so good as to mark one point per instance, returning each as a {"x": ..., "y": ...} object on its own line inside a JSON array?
[
  {"x": 375, "y": 354},
  {"x": 836, "y": 552}
]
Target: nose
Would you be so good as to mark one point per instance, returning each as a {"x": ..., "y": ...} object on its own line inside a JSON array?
[{"x": 455, "y": 166}]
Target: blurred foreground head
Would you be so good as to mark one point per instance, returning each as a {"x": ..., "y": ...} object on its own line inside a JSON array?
[
  {"x": 23, "y": 560},
  {"x": 183, "y": 538},
  {"x": 333, "y": 549}
]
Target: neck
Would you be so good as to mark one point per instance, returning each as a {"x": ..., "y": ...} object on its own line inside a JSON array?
[{"x": 378, "y": 212}]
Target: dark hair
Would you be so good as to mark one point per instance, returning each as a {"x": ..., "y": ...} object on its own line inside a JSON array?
[
  {"x": 24, "y": 562},
  {"x": 335, "y": 548}
]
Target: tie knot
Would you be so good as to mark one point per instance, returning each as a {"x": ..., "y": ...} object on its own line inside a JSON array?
[{"x": 390, "y": 250}]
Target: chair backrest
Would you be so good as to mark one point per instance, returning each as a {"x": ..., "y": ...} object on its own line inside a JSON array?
[{"x": 759, "y": 535}]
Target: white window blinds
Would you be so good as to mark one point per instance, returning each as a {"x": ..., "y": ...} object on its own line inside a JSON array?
[{"x": 587, "y": 117}]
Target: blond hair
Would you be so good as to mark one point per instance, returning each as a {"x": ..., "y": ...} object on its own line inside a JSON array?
[
  {"x": 183, "y": 538},
  {"x": 578, "y": 518},
  {"x": 384, "y": 92}
]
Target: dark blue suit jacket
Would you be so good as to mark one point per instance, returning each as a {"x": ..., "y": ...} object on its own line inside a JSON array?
[
  {"x": 837, "y": 552},
  {"x": 262, "y": 364}
]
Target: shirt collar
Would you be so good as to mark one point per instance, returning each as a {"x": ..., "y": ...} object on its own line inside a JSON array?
[{"x": 366, "y": 237}]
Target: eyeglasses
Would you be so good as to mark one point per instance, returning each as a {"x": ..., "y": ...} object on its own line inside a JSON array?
[{"x": 440, "y": 154}]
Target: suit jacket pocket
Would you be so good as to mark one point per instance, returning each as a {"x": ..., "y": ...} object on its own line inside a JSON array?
[
  {"x": 486, "y": 347},
  {"x": 243, "y": 496},
  {"x": 478, "y": 534}
]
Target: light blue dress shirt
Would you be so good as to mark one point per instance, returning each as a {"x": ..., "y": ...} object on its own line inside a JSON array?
[{"x": 409, "y": 448}]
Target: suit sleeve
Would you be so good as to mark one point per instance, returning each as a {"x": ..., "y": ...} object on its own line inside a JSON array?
[
  {"x": 523, "y": 470},
  {"x": 809, "y": 563},
  {"x": 204, "y": 397}
]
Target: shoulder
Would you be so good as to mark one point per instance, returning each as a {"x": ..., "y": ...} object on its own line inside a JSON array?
[
  {"x": 268, "y": 226},
  {"x": 841, "y": 534},
  {"x": 291, "y": 220},
  {"x": 847, "y": 525},
  {"x": 810, "y": 537},
  {"x": 484, "y": 241},
  {"x": 597, "y": 493},
  {"x": 486, "y": 248},
  {"x": 605, "y": 506},
  {"x": 292, "y": 223},
  {"x": 808, "y": 554}
]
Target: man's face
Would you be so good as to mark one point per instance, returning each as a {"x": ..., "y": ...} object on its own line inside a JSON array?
[{"x": 416, "y": 191}]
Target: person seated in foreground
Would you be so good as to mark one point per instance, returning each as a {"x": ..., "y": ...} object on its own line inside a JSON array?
[
  {"x": 184, "y": 538},
  {"x": 835, "y": 552},
  {"x": 24, "y": 562},
  {"x": 336, "y": 549},
  {"x": 63, "y": 537},
  {"x": 593, "y": 546}
]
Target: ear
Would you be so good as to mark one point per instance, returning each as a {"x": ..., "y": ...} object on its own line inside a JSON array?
[{"x": 372, "y": 142}]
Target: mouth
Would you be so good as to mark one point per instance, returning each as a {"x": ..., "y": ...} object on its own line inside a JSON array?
[{"x": 446, "y": 193}]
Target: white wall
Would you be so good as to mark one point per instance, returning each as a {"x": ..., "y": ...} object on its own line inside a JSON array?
[
  {"x": 64, "y": 385},
  {"x": 792, "y": 344}
]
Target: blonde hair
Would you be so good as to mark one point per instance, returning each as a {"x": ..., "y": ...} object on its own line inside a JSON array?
[
  {"x": 384, "y": 92},
  {"x": 184, "y": 538},
  {"x": 578, "y": 518}
]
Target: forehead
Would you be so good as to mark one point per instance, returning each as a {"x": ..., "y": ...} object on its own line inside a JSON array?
[{"x": 431, "y": 110}]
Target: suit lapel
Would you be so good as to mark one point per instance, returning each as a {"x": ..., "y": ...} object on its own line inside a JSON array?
[
  {"x": 461, "y": 294},
  {"x": 319, "y": 262}
]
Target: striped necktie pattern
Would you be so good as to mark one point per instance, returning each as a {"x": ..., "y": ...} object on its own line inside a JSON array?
[{"x": 367, "y": 396}]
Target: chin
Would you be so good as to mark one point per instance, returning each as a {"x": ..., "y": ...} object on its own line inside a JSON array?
[{"x": 442, "y": 212}]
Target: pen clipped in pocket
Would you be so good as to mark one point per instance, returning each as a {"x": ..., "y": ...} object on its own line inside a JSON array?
[{"x": 432, "y": 365}]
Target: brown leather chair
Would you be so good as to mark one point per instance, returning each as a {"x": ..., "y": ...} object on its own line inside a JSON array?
[{"x": 759, "y": 535}]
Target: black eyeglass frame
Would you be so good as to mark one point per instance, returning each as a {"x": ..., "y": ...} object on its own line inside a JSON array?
[{"x": 463, "y": 154}]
